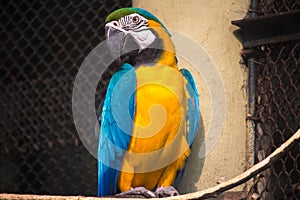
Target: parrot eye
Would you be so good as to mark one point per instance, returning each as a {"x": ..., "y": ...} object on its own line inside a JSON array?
[
  {"x": 115, "y": 23},
  {"x": 135, "y": 19}
]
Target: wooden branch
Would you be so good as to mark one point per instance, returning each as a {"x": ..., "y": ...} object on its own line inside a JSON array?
[
  {"x": 210, "y": 192},
  {"x": 242, "y": 178}
]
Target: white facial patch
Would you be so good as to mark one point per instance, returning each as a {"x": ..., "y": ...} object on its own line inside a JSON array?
[
  {"x": 135, "y": 25},
  {"x": 144, "y": 38}
]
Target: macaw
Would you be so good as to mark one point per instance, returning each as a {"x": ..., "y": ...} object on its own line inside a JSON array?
[{"x": 150, "y": 112}]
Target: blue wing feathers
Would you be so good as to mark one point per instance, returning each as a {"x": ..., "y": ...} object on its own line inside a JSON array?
[
  {"x": 193, "y": 112},
  {"x": 193, "y": 115},
  {"x": 116, "y": 127}
]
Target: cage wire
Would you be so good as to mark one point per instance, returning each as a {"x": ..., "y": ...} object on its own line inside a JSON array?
[
  {"x": 278, "y": 109},
  {"x": 268, "y": 7},
  {"x": 43, "y": 44}
]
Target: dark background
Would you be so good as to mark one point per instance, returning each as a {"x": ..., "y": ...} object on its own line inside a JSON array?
[{"x": 43, "y": 44}]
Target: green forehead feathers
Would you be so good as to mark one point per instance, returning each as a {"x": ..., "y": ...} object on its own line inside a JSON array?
[{"x": 118, "y": 14}]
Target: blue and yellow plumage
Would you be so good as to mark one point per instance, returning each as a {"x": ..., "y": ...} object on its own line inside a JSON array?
[{"x": 151, "y": 109}]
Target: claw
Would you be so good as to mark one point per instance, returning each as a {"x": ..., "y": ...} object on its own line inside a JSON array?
[
  {"x": 137, "y": 191},
  {"x": 166, "y": 192}
]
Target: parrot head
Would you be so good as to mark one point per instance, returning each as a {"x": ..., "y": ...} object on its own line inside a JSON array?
[{"x": 136, "y": 36}]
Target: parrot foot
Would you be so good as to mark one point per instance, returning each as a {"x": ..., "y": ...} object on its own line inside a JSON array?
[
  {"x": 166, "y": 192},
  {"x": 137, "y": 191}
]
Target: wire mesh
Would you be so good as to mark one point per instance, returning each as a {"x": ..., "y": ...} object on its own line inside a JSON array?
[
  {"x": 276, "y": 6},
  {"x": 278, "y": 108},
  {"x": 43, "y": 43},
  {"x": 278, "y": 111}
]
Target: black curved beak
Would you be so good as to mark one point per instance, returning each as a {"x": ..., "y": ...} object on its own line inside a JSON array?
[
  {"x": 115, "y": 40},
  {"x": 120, "y": 44}
]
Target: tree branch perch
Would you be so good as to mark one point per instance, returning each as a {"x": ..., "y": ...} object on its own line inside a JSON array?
[{"x": 210, "y": 192}]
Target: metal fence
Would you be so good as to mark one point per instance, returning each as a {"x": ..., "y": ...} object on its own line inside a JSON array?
[
  {"x": 271, "y": 39},
  {"x": 278, "y": 112},
  {"x": 43, "y": 43},
  {"x": 268, "y": 7}
]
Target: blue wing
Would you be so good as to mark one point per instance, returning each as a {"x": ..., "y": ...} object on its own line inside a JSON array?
[
  {"x": 193, "y": 114},
  {"x": 116, "y": 127}
]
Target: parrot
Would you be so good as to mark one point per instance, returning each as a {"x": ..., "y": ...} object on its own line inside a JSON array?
[{"x": 150, "y": 113}]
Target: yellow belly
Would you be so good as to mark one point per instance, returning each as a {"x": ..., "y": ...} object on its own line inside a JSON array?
[{"x": 160, "y": 121}]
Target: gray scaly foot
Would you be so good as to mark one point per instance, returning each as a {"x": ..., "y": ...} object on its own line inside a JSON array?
[
  {"x": 137, "y": 191},
  {"x": 166, "y": 192}
]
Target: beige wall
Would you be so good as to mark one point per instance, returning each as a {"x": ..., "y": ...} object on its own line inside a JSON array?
[{"x": 208, "y": 22}]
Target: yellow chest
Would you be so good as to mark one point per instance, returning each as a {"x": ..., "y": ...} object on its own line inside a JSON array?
[
  {"x": 160, "y": 119},
  {"x": 160, "y": 105}
]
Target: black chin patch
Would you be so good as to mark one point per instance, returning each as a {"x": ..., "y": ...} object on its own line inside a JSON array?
[
  {"x": 130, "y": 49},
  {"x": 130, "y": 45}
]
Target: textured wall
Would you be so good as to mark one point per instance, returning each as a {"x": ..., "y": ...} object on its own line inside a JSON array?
[{"x": 208, "y": 22}]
